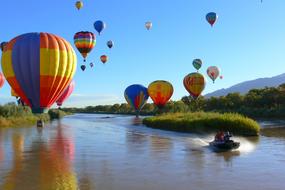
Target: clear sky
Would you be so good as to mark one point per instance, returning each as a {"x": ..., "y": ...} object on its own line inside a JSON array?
[{"x": 247, "y": 41}]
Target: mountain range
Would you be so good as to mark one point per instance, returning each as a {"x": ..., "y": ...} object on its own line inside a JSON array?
[{"x": 244, "y": 87}]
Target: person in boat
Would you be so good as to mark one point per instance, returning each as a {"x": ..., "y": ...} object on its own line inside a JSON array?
[
  {"x": 227, "y": 136},
  {"x": 220, "y": 136}
]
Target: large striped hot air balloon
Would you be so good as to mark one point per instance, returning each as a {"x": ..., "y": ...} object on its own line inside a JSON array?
[
  {"x": 136, "y": 95},
  {"x": 68, "y": 91},
  {"x": 160, "y": 92},
  {"x": 194, "y": 83},
  {"x": 39, "y": 67},
  {"x": 84, "y": 42}
]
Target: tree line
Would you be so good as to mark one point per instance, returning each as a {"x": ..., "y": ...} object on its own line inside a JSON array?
[{"x": 266, "y": 102}]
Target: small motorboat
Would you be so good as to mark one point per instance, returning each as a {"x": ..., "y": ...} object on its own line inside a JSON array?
[
  {"x": 223, "y": 142},
  {"x": 224, "y": 145}
]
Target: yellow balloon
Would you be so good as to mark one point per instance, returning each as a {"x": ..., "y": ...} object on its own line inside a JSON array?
[
  {"x": 160, "y": 92},
  {"x": 79, "y": 4},
  {"x": 194, "y": 83}
]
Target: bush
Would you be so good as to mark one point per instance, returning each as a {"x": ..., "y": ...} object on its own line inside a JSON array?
[{"x": 201, "y": 122}]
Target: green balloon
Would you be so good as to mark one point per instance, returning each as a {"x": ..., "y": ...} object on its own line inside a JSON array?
[{"x": 197, "y": 63}]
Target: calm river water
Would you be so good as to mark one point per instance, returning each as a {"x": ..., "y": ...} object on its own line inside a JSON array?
[{"x": 113, "y": 152}]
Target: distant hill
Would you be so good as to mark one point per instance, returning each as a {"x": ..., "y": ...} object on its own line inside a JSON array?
[{"x": 244, "y": 87}]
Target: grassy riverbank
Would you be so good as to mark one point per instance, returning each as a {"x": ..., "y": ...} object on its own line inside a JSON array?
[
  {"x": 204, "y": 122},
  {"x": 12, "y": 115}
]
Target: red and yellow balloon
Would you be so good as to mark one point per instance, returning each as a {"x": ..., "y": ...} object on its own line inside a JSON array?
[
  {"x": 39, "y": 67},
  {"x": 194, "y": 83},
  {"x": 160, "y": 92}
]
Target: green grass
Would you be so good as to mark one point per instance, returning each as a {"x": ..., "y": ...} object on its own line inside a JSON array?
[{"x": 202, "y": 122}]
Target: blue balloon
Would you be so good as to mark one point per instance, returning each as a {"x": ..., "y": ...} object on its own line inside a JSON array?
[
  {"x": 99, "y": 26},
  {"x": 136, "y": 96}
]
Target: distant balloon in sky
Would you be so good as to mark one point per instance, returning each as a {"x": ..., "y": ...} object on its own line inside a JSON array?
[
  {"x": 110, "y": 44},
  {"x": 79, "y": 4},
  {"x": 148, "y": 25},
  {"x": 213, "y": 72},
  {"x": 197, "y": 63},
  {"x": 91, "y": 64},
  {"x": 83, "y": 67},
  {"x": 67, "y": 92},
  {"x": 136, "y": 95},
  {"x": 2, "y": 80},
  {"x": 39, "y": 66},
  {"x": 221, "y": 77},
  {"x": 211, "y": 18},
  {"x": 160, "y": 92},
  {"x": 84, "y": 42},
  {"x": 3, "y": 44},
  {"x": 194, "y": 83},
  {"x": 104, "y": 58},
  {"x": 99, "y": 26}
]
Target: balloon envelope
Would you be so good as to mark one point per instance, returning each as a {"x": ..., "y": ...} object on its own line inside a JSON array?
[
  {"x": 194, "y": 83},
  {"x": 67, "y": 92},
  {"x": 160, "y": 92},
  {"x": 91, "y": 64},
  {"x": 110, "y": 44},
  {"x": 99, "y": 26},
  {"x": 148, "y": 25},
  {"x": 197, "y": 63},
  {"x": 211, "y": 18},
  {"x": 79, "y": 4},
  {"x": 13, "y": 93},
  {"x": 104, "y": 58},
  {"x": 39, "y": 66},
  {"x": 84, "y": 42},
  {"x": 136, "y": 95},
  {"x": 213, "y": 72},
  {"x": 2, "y": 80},
  {"x": 83, "y": 67}
]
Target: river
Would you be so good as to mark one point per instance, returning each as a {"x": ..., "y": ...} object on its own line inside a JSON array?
[{"x": 114, "y": 152}]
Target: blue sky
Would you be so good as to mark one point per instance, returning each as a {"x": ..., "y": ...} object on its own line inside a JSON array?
[{"x": 247, "y": 41}]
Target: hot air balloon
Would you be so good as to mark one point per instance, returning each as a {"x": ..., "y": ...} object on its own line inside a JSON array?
[
  {"x": 67, "y": 92},
  {"x": 197, "y": 63},
  {"x": 83, "y": 67},
  {"x": 136, "y": 95},
  {"x": 110, "y": 44},
  {"x": 3, "y": 45},
  {"x": 160, "y": 92},
  {"x": 2, "y": 80},
  {"x": 104, "y": 58},
  {"x": 84, "y": 42},
  {"x": 39, "y": 66},
  {"x": 148, "y": 25},
  {"x": 213, "y": 72},
  {"x": 91, "y": 64},
  {"x": 99, "y": 26},
  {"x": 194, "y": 83},
  {"x": 211, "y": 18},
  {"x": 79, "y": 4}
]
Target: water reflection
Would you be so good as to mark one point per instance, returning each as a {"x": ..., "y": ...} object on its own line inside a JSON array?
[{"x": 89, "y": 152}]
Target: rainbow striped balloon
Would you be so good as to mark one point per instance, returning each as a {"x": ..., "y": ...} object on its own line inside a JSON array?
[
  {"x": 84, "y": 42},
  {"x": 39, "y": 67}
]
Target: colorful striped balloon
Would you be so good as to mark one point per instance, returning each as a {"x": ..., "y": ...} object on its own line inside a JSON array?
[
  {"x": 84, "y": 42},
  {"x": 160, "y": 92},
  {"x": 211, "y": 18},
  {"x": 67, "y": 92},
  {"x": 2, "y": 80},
  {"x": 136, "y": 95},
  {"x": 39, "y": 67},
  {"x": 194, "y": 83}
]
